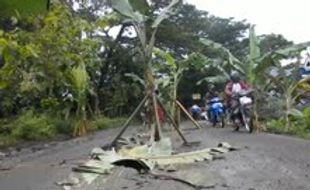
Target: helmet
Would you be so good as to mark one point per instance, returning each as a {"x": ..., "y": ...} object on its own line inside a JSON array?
[
  {"x": 211, "y": 87},
  {"x": 234, "y": 76}
]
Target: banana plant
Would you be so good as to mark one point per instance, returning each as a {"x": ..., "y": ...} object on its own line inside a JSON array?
[
  {"x": 258, "y": 71},
  {"x": 255, "y": 69},
  {"x": 228, "y": 60},
  {"x": 146, "y": 35},
  {"x": 222, "y": 71},
  {"x": 292, "y": 89},
  {"x": 223, "y": 64},
  {"x": 80, "y": 84},
  {"x": 169, "y": 75},
  {"x": 252, "y": 77},
  {"x": 174, "y": 73}
]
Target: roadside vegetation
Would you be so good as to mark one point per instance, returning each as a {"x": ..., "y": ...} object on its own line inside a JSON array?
[{"x": 76, "y": 69}]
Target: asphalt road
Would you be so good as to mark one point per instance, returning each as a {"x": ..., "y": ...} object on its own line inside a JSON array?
[{"x": 264, "y": 162}]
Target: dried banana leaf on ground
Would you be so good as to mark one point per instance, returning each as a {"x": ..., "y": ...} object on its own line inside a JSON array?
[{"x": 144, "y": 158}]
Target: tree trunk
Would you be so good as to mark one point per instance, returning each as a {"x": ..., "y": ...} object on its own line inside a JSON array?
[
  {"x": 255, "y": 111},
  {"x": 157, "y": 131},
  {"x": 173, "y": 104},
  {"x": 150, "y": 81},
  {"x": 287, "y": 113}
]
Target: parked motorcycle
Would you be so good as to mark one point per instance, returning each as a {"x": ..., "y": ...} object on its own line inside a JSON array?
[
  {"x": 216, "y": 111},
  {"x": 242, "y": 113}
]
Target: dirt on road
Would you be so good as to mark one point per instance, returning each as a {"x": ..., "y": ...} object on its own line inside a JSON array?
[{"x": 264, "y": 162}]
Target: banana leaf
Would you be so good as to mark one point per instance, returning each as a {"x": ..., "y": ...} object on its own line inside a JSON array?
[
  {"x": 140, "y": 157},
  {"x": 273, "y": 58},
  {"x": 233, "y": 62},
  {"x": 295, "y": 112},
  {"x": 135, "y": 78},
  {"x": 165, "y": 13},
  {"x": 124, "y": 8},
  {"x": 213, "y": 79}
]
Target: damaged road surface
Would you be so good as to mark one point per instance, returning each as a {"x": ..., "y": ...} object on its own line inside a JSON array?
[
  {"x": 146, "y": 159},
  {"x": 263, "y": 162}
]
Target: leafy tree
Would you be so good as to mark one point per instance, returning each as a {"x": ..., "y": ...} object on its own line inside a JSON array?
[
  {"x": 37, "y": 64},
  {"x": 272, "y": 42},
  {"x": 181, "y": 32}
]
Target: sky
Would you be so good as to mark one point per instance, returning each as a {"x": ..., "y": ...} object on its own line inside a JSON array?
[{"x": 287, "y": 17}]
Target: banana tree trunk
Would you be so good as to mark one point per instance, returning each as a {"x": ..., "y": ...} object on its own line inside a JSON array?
[
  {"x": 173, "y": 105},
  {"x": 157, "y": 127},
  {"x": 255, "y": 111},
  {"x": 287, "y": 113},
  {"x": 81, "y": 125},
  {"x": 156, "y": 132}
]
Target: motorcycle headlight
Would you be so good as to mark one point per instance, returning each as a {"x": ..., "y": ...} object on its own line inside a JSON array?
[{"x": 245, "y": 100}]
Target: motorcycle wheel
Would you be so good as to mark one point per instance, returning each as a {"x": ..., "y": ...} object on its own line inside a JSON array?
[
  {"x": 214, "y": 121},
  {"x": 236, "y": 125},
  {"x": 222, "y": 117},
  {"x": 247, "y": 121}
]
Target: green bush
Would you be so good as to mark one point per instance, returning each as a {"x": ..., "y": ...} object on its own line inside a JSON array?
[
  {"x": 102, "y": 122},
  {"x": 6, "y": 140},
  {"x": 63, "y": 126},
  {"x": 33, "y": 127},
  {"x": 300, "y": 126},
  {"x": 276, "y": 126},
  {"x": 306, "y": 118}
]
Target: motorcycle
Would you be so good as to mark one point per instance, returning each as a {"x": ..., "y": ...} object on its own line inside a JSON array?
[
  {"x": 216, "y": 111},
  {"x": 242, "y": 113}
]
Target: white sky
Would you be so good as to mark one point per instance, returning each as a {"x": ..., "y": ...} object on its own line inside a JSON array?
[{"x": 287, "y": 17}]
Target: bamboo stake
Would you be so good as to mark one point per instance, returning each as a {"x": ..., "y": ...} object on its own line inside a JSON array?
[
  {"x": 126, "y": 124},
  {"x": 157, "y": 131},
  {"x": 178, "y": 117},
  {"x": 188, "y": 114},
  {"x": 172, "y": 122}
]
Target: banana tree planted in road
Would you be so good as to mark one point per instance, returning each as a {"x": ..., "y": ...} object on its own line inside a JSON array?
[
  {"x": 174, "y": 72},
  {"x": 146, "y": 34}
]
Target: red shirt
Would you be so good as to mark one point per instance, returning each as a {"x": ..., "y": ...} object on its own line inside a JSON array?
[
  {"x": 228, "y": 89},
  {"x": 161, "y": 113}
]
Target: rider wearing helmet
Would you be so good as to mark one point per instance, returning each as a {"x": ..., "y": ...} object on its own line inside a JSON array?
[
  {"x": 235, "y": 85},
  {"x": 209, "y": 98}
]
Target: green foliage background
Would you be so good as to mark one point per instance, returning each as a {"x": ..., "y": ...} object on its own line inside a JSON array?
[
  {"x": 44, "y": 58},
  {"x": 24, "y": 8}
]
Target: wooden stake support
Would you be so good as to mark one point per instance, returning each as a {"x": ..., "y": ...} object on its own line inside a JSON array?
[
  {"x": 188, "y": 114},
  {"x": 126, "y": 124},
  {"x": 173, "y": 122},
  {"x": 156, "y": 129}
]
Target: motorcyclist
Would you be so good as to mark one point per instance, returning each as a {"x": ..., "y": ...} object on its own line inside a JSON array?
[
  {"x": 234, "y": 86},
  {"x": 208, "y": 97},
  {"x": 195, "y": 111}
]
